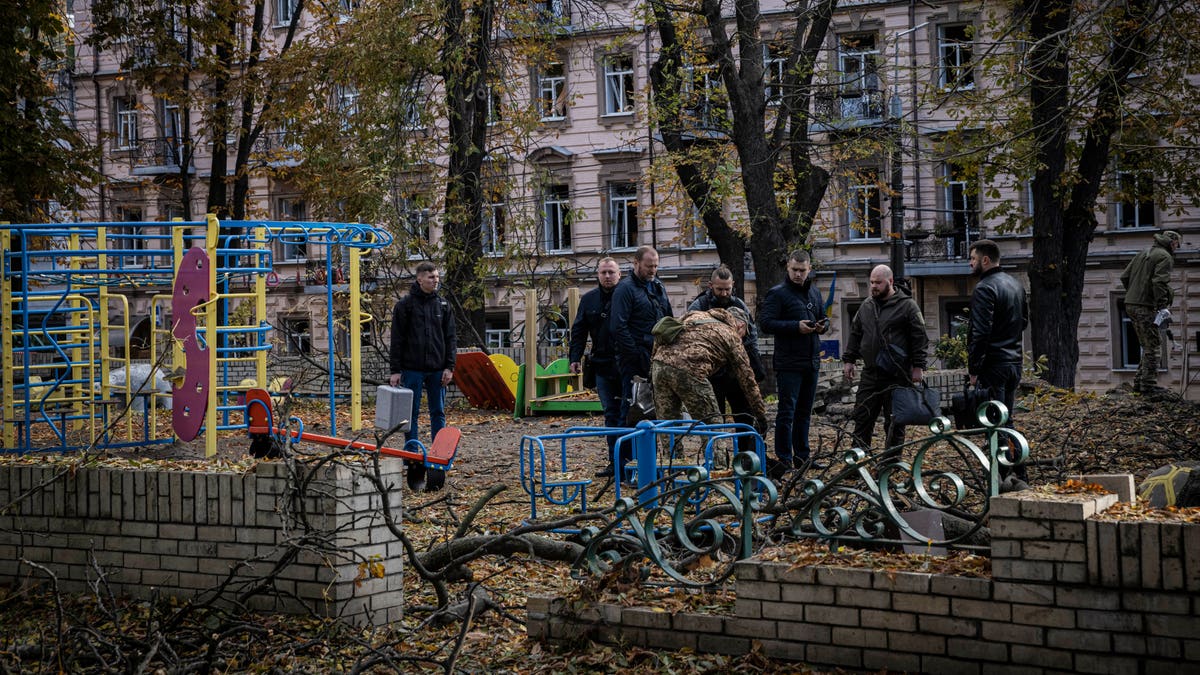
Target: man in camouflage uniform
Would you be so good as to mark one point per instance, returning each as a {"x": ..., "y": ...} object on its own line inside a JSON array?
[{"x": 680, "y": 370}]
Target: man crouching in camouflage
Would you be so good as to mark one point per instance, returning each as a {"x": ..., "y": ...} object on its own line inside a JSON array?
[{"x": 680, "y": 370}]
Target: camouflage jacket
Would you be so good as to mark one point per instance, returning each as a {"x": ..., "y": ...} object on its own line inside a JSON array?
[{"x": 707, "y": 344}]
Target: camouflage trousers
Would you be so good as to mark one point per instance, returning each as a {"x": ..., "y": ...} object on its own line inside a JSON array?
[
  {"x": 1151, "y": 340},
  {"x": 675, "y": 388}
]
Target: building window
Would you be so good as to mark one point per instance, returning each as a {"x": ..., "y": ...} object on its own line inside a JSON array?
[
  {"x": 497, "y": 331},
  {"x": 347, "y": 7},
  {"x": 293, "y": 246},
  {"x": 858, "y": 61},
  {"x": 622, "y": 215},
  {"x": 129, "y": 239},
  {"x": 411, "y": 107},
  {"x": 552, "y": 91},
  {"x": 693, "y": 232},
  {"x": 492, "y": 224},
  {"x": 954, "y": 57},
  {"x": 862, "y": 205},
  {"x": 618, "y": 84},
  {"x": 774, "y": 69},
  {"x": 297, "y": 331},
  {"x": 960, "y": 217},
  {"x": 172, "y": 134},
  {"x": 416, "y": 219},
  {"x": 706, "y": 101},
  {"x": 495, "y": 105},
  {"x": 127, "y": 122},
  {"x": 552, "y": 11},
  {"x": 556, "y": 219},
  {"x": 285, "y": 10},
  {"x": 1135, "y": 199},
  {"x": 1127, "y": 352},
  {"x": 346, "y": 96}
]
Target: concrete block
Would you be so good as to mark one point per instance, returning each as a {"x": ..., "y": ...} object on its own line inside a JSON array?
[
  {"x": 1108, "y": 554},
  {"x": 1033, "y": 571},
  {"x": 1085, "y": 507},
  {"x": 888, "y": 620},
  {"x": 750, "y": 570},
  {"x": 805, "y": 632},
  {"x": 670, "y": 639},
  {"x": 1120, "y": 484},
  {"x": 1087, "y": 598},
  {"x": 859, "y": 637},
  {"x": 1057, "y": 659},
  {"x": 789, "y": 574},
  {"x": 724, "y": 644},
  {"x": 962, "y": 587},
  {"x": 1106, "y": 664},
  {"x": 845, "y": 577},
  {"x": 1079, "y": 640},
  {"x": 1102, "y": 620},
  {"x": 1004, "y": 507},
  {"x": 1164, "y": 647},
  {"x": 1172, "y": 574},
  {"x": 177, "y": 531},
  {"x": 758, "y": 590},
  {"x": 837, "y": 616},
  {"x": 944, "y": 625},
  {"x": 917, "y": 643},
  {"x": 750, "y": 609},
  {"x": 951, "y": 666},
  {"x": 1035, "y": 615},
  {"x": 1011, "y": 633},
  {"x": 921, "y": 604},
  {"x": 1191, "y": 554},
  {"x": 877, "y": 660},
  {"x": 1070, "y": 573},
  {"x": 785, "y": 651},
  {"x": 754, "y": 628},
  {"x": 1129, "y": 644},
  {"x": 1156, "y": 603},
  {"x": 980, "y": 609},
  {"x": 783, "y": 611},
  {"x": 1019, "y": 528},
  {"x": 847, "y": 657},
  {"x": 1151, "y": 562},
  {"x": 969, "y": 649},
  {"x": 1170, "y": 537},
  {"x": 861, "y": 597},
  {"x": 1029, "y": 594},
  {"x": 807, "y": 594},
  {"x": 1057, "y": 551},
  {"x": 698, "y": 623},
  {"x": 1006, "y": 548},
  {"x": 1008, "y": 669}
]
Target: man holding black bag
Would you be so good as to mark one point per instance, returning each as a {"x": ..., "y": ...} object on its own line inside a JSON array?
[
  {"x": 888, "y": 334},
  {"x": 600, "y": 369}
]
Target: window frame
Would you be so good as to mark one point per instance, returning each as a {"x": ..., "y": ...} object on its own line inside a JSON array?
[
  {"x": 1137, "y": 202},
  {"x": 622, "y": 212},
  {"x": 619, "y": 84},
  {"x": 556, "y": 219},
  {"x": 283, "y": 11},
  {"x": 292, "y": 208},
  {"x": 775, "y": 58},
  {"x": 864, "y": 89},
  {"x": 1124, "y": 338},
  {"x": 492, "y": 237},
  {"x": 125, "y": 119},
  {"x": 861, "y": 182},
  {"x": 296, "y": 342},
  {"x": 552, "y": 108},
  {"x": 951, "y": 76},
  {"x": 417, "y": 220},
  {"x": 970, "y": 203}
]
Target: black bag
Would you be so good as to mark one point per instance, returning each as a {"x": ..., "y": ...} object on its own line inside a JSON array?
[
  {"x": 589, "y": 373},
  {"x": 892, "y": 361},
  {"x": 915, "y": 405},
  {"x": 964, "y": 407}
]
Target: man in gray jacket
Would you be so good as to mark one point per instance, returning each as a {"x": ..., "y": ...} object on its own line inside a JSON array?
[{"x": 888, "y": 334}]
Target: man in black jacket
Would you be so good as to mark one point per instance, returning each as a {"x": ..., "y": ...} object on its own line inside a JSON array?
[
  {"x": 724, "y": 382},
  {"x": 998, "y": 317},
  {"x": 591, "y": 320},
  {"x": 422, "y": 354},
  {"x": 793, "y": 313},
  {"x": 889, "y": 317},
  {"x": 639, "y": 301}
]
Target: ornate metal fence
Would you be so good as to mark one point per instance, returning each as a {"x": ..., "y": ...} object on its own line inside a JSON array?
[{"x": 692, "y": 531}]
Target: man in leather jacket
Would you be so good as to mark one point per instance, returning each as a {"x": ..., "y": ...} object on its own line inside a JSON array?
[
  {"x": 999, "y": 315},
  {"x": 591, "y": 321},
  {"x": 639, "y": 301},
  {"x": 793, "y": 313}
]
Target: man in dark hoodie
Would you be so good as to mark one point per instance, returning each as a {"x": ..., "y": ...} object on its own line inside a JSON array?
[
  {"x": 793, "y": 313},
  {"x": 1147, "y": 282},
  {"x": 591, "y": 321},
  {"x": 422, "y": 354},
  {"x": 889, "y": 317}
]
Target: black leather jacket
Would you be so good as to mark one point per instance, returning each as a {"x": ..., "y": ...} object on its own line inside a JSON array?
[
  {"x": 785, "y": 306},
  {"x": 591, "y": 320},
  {"x": 636, "y": 306},
  {"x": 999, "y": 315}
]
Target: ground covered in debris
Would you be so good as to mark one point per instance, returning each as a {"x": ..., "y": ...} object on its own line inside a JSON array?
[{"x": 1068, "y": 434}]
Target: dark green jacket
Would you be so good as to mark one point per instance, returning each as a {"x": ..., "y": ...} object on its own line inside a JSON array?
[{"x": 1147, "y": 278}]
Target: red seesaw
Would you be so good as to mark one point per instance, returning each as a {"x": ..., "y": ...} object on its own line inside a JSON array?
[{"x": 440, "y": 456}]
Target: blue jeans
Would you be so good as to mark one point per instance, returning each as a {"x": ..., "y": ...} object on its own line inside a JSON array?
[
  {"x": 435, "y": 392},
  {"x": 797, "y": 391},
  {"x": 608, "y": 388}
]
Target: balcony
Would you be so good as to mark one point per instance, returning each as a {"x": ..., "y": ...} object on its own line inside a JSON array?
[
  {"x": 154, "y": 156},
  {"x": 273, "y": 149},
  {"x": 848, "y": 109}
]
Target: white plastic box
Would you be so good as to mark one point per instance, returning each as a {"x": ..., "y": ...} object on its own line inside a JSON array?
[{"x": 393, "y": 406}]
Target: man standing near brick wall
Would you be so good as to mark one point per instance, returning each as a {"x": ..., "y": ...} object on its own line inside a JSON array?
[{"x": 1147, "y": 282}]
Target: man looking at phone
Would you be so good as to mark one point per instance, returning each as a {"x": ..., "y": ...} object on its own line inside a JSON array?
[{"x": 793, "y": 313}]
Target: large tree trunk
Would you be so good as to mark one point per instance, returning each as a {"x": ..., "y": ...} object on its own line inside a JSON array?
[{"x": 468, "y": 39}]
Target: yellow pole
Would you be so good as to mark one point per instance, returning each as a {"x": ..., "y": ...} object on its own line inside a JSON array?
[
  {"x": 9, "y": 403},
  {"x": 212, "y": 237},
  {"x": 572, "y": 310},
  {"x": 102, "y": 278},
  {"x": 531, "y": 365},
  {"x": 355, "y": 326}
]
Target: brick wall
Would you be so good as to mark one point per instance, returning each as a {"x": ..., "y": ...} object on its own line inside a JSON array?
[
  {"x": 182, "y": 533},
  {"x": 1068, "y": 593}
]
